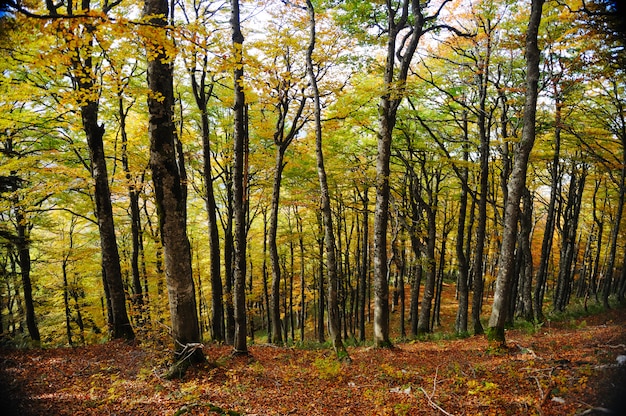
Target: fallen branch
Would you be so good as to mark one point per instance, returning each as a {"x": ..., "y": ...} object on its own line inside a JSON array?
[
  {"x": 596, "y": 410},
  {"x": 612, "y": 346},
  {"x": 429, "y": 397},
  {"x": 433, "y": 404}
]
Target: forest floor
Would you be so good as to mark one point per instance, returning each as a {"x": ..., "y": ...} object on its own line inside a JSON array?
[{"x": 561, "y": 368}]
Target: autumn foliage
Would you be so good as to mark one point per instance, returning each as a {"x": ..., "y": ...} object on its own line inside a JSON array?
[{"x": 561, "y": 368}]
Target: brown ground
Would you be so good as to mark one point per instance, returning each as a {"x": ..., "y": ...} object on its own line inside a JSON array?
[{"x": 562, "y": 369}]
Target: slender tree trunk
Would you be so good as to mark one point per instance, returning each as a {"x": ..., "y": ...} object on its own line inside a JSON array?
[
  {"x": 334, "y": 327},
  {"x": 387, "y": 111},
  {"x": 239, "y": 184},
  {"x": 568, "y": 241},
  {"x": 66, "y": 304},
  {"x": 203, "y": 94},
  {"x": 169, "y": 197},
  {"x": 423, "y": 325},
  {"x": 364, "y": 265},
  {"x": 463, "y": 278},
  {"x": 548, "y": 234},
  {"x": 135, "y": 220},
  {"x": 526, "y": 266},
  {"x": 321, "y": 298},
  {"x": 610, "y": 269},
  {"x": 273, "y": 249},
  {"x": 302, "y": 278},
  {"x": 229, "y": 261},
  {"x": 517, "y": 182},
  {"x": 415, "y": 293},
  {"x": 266, "y": 295}
]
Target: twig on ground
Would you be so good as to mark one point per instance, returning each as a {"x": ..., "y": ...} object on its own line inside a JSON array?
[
  {"x": 61, "y": 371},
  {"x": 430, "y": 396},
  {"x": 612, "y": 346},
  {"x": 434, "y": 405}
]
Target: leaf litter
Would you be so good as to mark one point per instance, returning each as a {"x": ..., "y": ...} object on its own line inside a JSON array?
[{"x": 567, "y": 368}]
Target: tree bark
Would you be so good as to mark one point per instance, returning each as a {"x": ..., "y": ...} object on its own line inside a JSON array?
[
  {"x": 548, "y": 233},
  {"x": 363, "y": 273},
  {"x": 387, "y": 111},
  {"x": 202, "y": 96},
  {"x": 334, "y": 327},
  {"x": 517, "y": 182},
  {"x": 463, "y": 264},
  {"x": 239, "y": 185},
  {"x": 568, "y": 240},
  {"x": 621, "y": 133},
  {"x": 273, "y": 249},
  {"x": 169, "y": 195},
  {"x": 135, "y": 220},
  {"x": 25, "y": 263}
]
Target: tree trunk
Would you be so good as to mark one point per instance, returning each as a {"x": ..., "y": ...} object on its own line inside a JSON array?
[
  {"x": 266, "y": 295},
  {"x": 481, "y": 229},
  {"x": 387, "y": 111},
  {"x": 431, "y": 273},
  {"x": 334, "y": 327},
  {"x": 202, "y": 96},
  {"x": 463, "y": 265},
  {"x": 274, "y": 260},
  {"x": 517, "y": 182},
  {"x": 568, "y": 240},
  {"x": 364, "y": 265},
  {"x": 526, "y": 265},
  {"x": 548, "y": 233},
  {"x": 239, "y": 185},
  {"x": 169, "y": 196},
  {"x": 229, "y": 262},
  {"x": 135, "y": 220},
  {"x": 120, "y": 327},
  {"x": 321, "y": 298},
  {"x": 24, "y": 261}
]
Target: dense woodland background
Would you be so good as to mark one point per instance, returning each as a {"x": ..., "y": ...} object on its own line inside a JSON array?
[{"x": 84, "y": 209}]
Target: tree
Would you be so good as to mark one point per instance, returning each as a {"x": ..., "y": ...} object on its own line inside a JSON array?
[
  {"x": 80, "y": 46},
  {"x": 203, "y": 82},
  {"x": 517, "y": 182},
  {"x": 394, "y": 83},
  {"x": 240, "y": 134},
  {"x": 329, "y": 236},
  {"x": 287, "y": 102},
  {"x": 168, "y": 190}
]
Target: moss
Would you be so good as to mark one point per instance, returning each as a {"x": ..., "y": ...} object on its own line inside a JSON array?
[{"x": 496, "y": 339}]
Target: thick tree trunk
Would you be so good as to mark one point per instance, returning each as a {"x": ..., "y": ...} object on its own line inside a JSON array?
[
  {"x": 120, "y": 327},
  {"x": 24, "y": 262},
  {"x": 517, "y": 182},
  {"x": 169, "y": 195}
]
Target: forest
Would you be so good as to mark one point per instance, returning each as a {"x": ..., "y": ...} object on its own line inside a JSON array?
[{"x": 298, "y": 172}]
